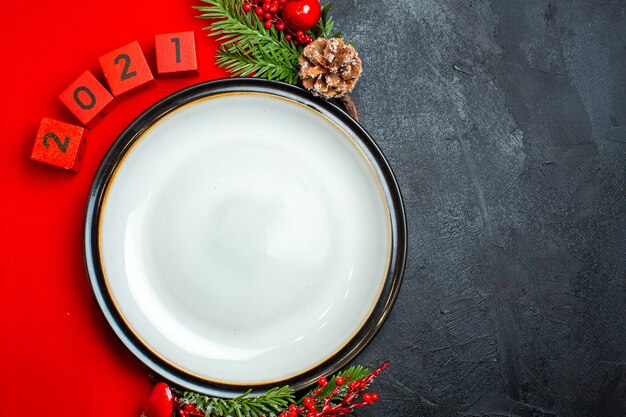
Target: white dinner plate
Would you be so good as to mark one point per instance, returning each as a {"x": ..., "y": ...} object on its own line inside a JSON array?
[{"x": 242, "y": 234}]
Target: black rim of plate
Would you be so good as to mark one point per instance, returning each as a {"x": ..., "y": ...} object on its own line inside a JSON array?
[{"x": 237, "y": 85}]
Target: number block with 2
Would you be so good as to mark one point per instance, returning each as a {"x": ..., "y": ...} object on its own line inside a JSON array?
[
  {"x": 87, "y": 99},
  {"x": 176, "y": 55},
  {"x": 59, "y": 144},
  {"x": 126, "y": 70}
]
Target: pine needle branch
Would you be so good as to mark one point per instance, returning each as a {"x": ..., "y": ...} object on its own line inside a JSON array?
[
  {"x": 271, "y": 403},
  {"x": 260, "y": 63},
  {"x": 248, "y": 48}
]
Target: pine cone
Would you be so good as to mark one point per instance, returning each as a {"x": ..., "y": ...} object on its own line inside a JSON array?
[{"x": 329, "y": 67}]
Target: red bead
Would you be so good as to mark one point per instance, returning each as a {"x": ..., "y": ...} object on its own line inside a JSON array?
[
  {"x": 268, "y": 24},
  {"x": 339, "y": 380},
  {"x": 322, "y": 382},
  {"x": 375, "y": 397},
  {"x": 247, "y": 7},
  {"x": 352, "y": 385},
  {"x": 301, "y": 14},
  {"x": 267, "y": 16},
  {"x": 300, "y": 34},
  {"x": 259, "y": 11},
  {"x": 288, "y": 37},
  {"x": 292, "y": 414},
  {"x": 280, "y": 26},
  {"x": 307, "y": 401},
  {"x": 308, "y": 39},
  {"x": 367, "y": 397},
  {"x": 293, "y": 408},
  {"x": 273, "y": 8},
  {"x": 266, "y": 7},
  {"x": 311, "y": 407},
  {"x": 160, "y": 402},
  {"x": 311, "y": 414},
  {"x": 295, "y": 42}
]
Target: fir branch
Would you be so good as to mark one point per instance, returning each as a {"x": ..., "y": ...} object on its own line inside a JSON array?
[
  {"x": 260, "y": 63},
  {"x": 248, "y": 48},
  {"x": 329, "y": 399},
  {"x": 268, "y": 404}
]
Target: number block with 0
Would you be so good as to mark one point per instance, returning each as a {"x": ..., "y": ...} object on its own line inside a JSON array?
[
  {"x": 87, "y": 99},
  {"x": 59, "y": 144}
]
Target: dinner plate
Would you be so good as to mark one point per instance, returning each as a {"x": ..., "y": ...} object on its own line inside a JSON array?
[{"x": 242, "y": 234}]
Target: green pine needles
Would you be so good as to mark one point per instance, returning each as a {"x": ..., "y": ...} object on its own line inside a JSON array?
[
  {"x": 248, "y": 48},
  {"x": 268, "y": 404}
]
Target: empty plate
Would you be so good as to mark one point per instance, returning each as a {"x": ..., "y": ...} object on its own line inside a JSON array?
[{"x": 242, "y": 234}]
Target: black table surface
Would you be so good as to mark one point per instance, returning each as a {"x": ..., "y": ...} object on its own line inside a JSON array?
[{"x": 505, "y": 123}]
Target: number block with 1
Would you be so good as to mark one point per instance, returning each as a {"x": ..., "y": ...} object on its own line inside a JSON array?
[
  {"x": 59, "y": 144},
  {"x": 176, "y": 55},
  {"x": 126, "y": 70},
  {"x": 87, "y": 99}
]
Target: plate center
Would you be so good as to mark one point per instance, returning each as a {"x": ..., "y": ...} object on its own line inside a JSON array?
[{"x": 253, "y": 228}]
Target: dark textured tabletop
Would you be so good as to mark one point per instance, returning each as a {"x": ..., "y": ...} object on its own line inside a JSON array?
[{"x": 505, "y": 123}]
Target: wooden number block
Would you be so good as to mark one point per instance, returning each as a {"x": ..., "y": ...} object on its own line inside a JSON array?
[
  {"x": 176, "y": 54},
  {"x": 126, "y": 70},
  {"x": 87, "y": 99},
  {"x": 59, "y": 144}
]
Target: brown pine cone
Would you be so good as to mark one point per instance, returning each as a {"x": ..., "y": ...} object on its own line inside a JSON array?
[{"x": 329, "y": 67}]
